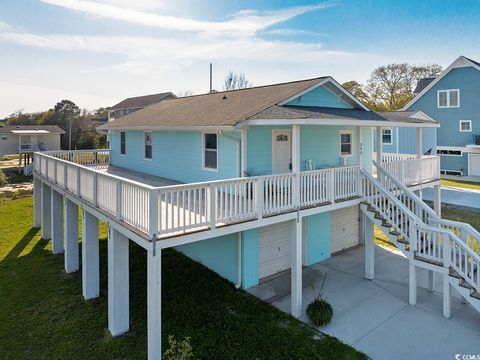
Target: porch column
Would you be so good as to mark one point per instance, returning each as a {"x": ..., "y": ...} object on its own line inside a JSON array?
[
  {"x": 419, "y": 143},
  {"x": 57, "y": 222},
  {"x": 367, "y": 235},
  {"x": 244, "y": 153},
  {"x": 437, "y": 200},
  {"x": 118, "y": 282},
  {"x": 296, "y": 148},
  {"x": 37, "y": 202},
  {"x": 379, "y": 145},
  {"x": 90, "y": 256},
  {"x": 154, "y": 304},
  {"x": 359, "y": 147},
  {"x": 46, "y": 212},
  {"x": 412, "y": 284},
  {"x": 70, "y": 235},
  {"x": 296, "y": 273}
]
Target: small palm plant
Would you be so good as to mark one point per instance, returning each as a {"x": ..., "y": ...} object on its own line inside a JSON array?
[{"x": 319, "y": 311}]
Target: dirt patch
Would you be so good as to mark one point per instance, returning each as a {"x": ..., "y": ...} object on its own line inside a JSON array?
[{"x": 14, "y": 191}]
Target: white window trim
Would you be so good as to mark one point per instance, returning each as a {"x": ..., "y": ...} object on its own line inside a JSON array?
[
  {"x": 343, "y": 132},
  {"x": 465, "y": 121},
  {"x": 145, "y": 145},
  {"x": 391, "y": 136},
  {"x": 120, "y": 143},
  {"x": 444, "y": 171},
  {"x": 203, "y": 151},
  {"x": 448, "y": 98}
]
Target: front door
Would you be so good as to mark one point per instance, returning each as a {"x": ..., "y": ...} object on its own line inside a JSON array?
[{"x": 281, "y": 151}]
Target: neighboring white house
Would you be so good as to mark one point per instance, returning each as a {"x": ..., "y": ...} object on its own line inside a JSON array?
[{"x": 29, "y": 138}]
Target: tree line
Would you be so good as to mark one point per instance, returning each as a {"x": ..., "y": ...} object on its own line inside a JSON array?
[{"x": 79, "y": 124}]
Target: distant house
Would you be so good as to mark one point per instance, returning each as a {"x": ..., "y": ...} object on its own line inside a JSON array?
[
  {"x": 132, "y": 104},
  {"x": 22, "y": 139}
]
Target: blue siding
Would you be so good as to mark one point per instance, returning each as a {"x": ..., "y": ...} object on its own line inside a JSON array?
[
  {"x": 318, "y": 238},
  {"x": 176, "y": 155},
  {"x": 319, "y": 96},
  {"x": 250, "y": 239},
  {"x": 407, "y": 141},
  {"x": 467, "y": 80},
  {"x": 367, "y": 148},
  {"x": 218, "y": 254}
]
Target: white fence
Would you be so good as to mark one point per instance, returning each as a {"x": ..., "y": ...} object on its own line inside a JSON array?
[
  {"x": 173, "y": 210},
  {"x": 415, "y": 171}
]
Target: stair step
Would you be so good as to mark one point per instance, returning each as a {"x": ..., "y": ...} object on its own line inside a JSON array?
[
  {"x": 403, "y": 241},
  {"x": 454, "y": 274},
  {"x": 433, "y": 262},
  {"x": 465, "y": 284},
  {"x": 475, "y": 294},
  {"x": 394, "y": 232},
  {"x": 387, "y": 225}
]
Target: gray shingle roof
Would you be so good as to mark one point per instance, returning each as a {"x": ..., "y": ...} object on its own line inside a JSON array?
[
  {"x": 422, "y": 84},
  {"x": 141, "y": 101}
]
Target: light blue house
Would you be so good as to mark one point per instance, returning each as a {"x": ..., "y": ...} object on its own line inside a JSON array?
[{"x": 453, "y": 100}]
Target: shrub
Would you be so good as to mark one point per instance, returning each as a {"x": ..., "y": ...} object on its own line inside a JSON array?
[
  {"x": 3, "y": 178},
  {"x": 178, "y": 350},
  {"x": 319, "y": 311}
]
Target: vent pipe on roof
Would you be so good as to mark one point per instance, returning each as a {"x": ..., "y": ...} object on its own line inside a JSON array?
[{"x": 211, "y": 66}]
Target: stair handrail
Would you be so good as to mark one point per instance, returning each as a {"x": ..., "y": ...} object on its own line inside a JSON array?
[
  {"x": 452, "y": 255},
  {"x": 412, "y": 218},
  {"x": 433, "y": 218}
]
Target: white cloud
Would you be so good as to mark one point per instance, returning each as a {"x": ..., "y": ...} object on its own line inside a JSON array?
[
  {"x": 294, "y": 32},
  {"x": 246, "y": 22},
  {"x": 141, "y": 5},
  {"x": 4, "y": 26}
]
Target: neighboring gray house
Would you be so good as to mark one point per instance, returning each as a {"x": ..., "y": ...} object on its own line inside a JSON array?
[{"x": 132, "y": 104}]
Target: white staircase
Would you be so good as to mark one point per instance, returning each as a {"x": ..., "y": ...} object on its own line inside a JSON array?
[{"x": 428, "y": 241}]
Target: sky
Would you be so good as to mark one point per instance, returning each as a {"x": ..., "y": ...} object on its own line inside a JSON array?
[{"x": 98, "y": 52}]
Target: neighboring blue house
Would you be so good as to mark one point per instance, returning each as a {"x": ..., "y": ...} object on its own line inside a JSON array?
[{"x": 452, "y": 99}]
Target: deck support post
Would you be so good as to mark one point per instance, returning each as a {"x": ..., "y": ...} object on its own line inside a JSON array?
[
  {"x": 90, "y": 256},
  {"x": 37, "y": 202},
  {"x": 244, "y": 152},
  {"x": 367, "y": 233},
  {"x": 431, "y": 280},
  {"x": 70, "y": 235},
  {"x": 447, "y": 299},
  {"x": 296, "y": 273},
  {"x": 437, "y": 200},
  {"x": 379, "y": 146},
  {"x": 57, "y": 222},
  {"x": 359, "y": 147},
  {"x": 154, "y": 304},
  {"x": 118, "y": 282},
  {"x": 46, "y": 212},
  {"x": 412, "y": 284}
]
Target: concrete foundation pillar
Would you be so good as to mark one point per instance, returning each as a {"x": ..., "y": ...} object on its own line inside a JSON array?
[
  {"x": 447, "y": 298},
  {"x": 412, "y": 283},
  {"x": 437, "y": 200},
  {"x": 118, "y": 283},
  {"x": 57, "y": 222},
  {"x": 70, "y": 235},
  {"x": 46, "y": 212},
  {"x": 37, "y": 203},
  {"x": 431, "y": 280},
  {"x": 368, "y": 238},
  {"x": 90, "y": 256},
  {"x": 154, "y": 305}
]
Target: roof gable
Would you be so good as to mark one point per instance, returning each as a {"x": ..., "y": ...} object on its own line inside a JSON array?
[
  {"x": 141, "y": 101},
  {"x": 460, "y": 62},
  {"x": 321, "y": 96}
]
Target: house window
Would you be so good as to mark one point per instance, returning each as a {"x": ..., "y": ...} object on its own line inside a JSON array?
[
  {"x": 449, "y": 152},
  {"x": 346, "y": 143},
  {"x": 4, "y": 137},
  {"x": 448, "y": 98},
  {"x": 123, "y": 143},
  {"x": 148, "y": 145},
  {"x": 210, "y": 151},
  {"x": 387, "y": 136},
  {"x": 465, "y": 125}
]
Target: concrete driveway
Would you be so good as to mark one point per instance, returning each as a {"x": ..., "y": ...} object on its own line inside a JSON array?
[
  {"x": 374, "y": 316},
  {"x": 456, "y": 196}
]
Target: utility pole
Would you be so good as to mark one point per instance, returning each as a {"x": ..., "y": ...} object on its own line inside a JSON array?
[{"x": 211, "y": 67}]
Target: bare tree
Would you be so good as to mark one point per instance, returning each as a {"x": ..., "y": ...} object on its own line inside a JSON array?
[
  {"x": 356, "y": 89},
  {"x": 234, "y": 81}
]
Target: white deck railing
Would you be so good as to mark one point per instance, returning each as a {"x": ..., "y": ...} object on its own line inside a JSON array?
[
  {"x": 414, "y": 171},
  {"x": 177, "y": 209}
]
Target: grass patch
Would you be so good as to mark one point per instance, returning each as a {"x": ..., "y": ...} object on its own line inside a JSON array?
[
  {"x": 8, "y": 157},
  {"x": 16, "y": 178},
  {"x": 43, "y": 314},
  {"x": 460, "y": 184}
]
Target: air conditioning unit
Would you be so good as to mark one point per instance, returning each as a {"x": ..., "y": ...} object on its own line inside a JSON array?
[{"x": 477, "y": 139}]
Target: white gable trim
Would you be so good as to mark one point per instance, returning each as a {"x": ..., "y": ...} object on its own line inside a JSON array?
[
  {"x": 335, "y": 122},
  {"x": 460, "y": 62},
  {"x": 321, "y": 83}
]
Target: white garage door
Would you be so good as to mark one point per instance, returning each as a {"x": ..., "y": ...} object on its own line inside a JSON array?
[
  {"x": 474, "y": 164},
  {"x": 345, "y": 228},
  {"x": 275, "y": 246}
]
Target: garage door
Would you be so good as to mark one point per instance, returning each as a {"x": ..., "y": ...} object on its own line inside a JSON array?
[
  {"x": 345, "y": 228},
  {"x": 474, "y": 164},
  {"x": 275, "y": 243}
]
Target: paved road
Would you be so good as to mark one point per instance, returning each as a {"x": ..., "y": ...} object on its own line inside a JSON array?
[{"x": 456, "y": 196}]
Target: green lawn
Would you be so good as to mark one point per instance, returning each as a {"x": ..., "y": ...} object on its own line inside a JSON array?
[
  {"x": 460, "y": 184},
  {"x": 43, "y": 314}
]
